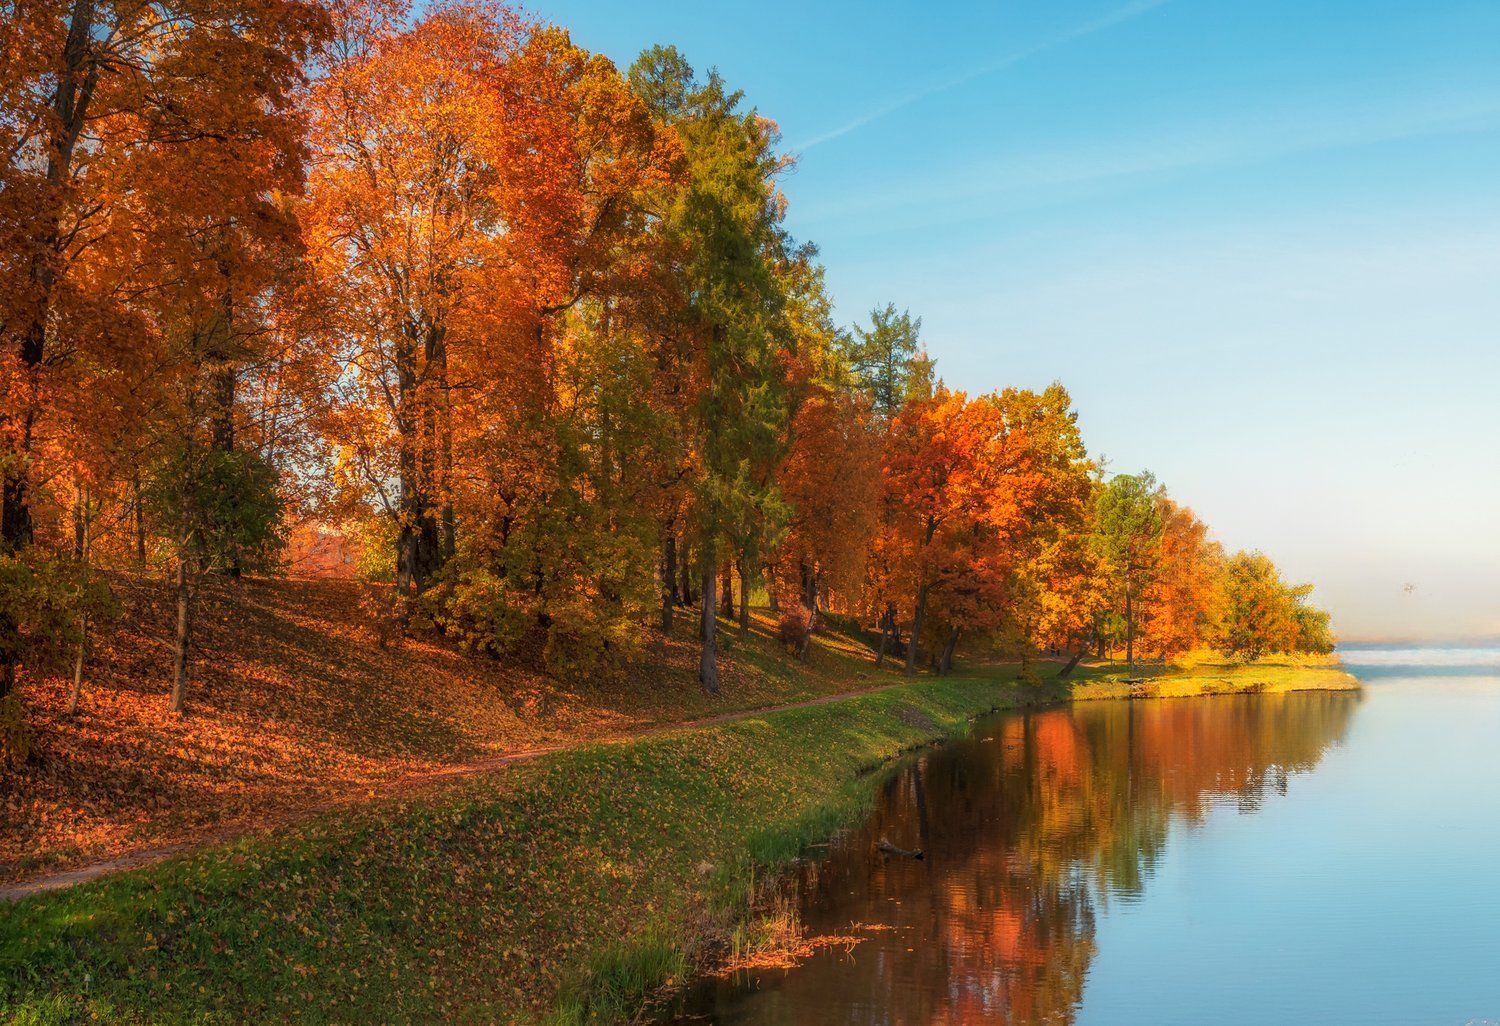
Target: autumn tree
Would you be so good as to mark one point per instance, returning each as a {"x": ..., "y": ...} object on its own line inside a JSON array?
[
  {"x": 946, "y": 501},
  {"x": 1180, "y": 600},
  {"x": 408, "y": 234},
  {"x": 216, "y": 256},
  {"x": 1052, "y": 588},
  {"x": 1262, "y": 613},
  {"x": 83, "y": 82},
  {"x": 829, "y": 455},
  {"x": 144, "y": 140},
  {"x": 1128, "y": 530},
  {"x": 724, "y": 227},
  {"x": 560, "y": 444}
]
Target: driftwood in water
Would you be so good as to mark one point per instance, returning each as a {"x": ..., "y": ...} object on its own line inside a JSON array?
[{"x": 887, "y": 848}]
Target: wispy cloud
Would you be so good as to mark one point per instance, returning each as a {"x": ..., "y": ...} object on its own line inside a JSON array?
[
  {"x": 993, "y": 185},
  {"x": 1123, "y": 14}
]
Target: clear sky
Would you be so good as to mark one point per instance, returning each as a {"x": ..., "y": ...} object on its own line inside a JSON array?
[{"x": 1260, "y": 242}]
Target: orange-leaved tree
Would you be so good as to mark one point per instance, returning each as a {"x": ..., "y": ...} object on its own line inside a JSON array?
[{"x": 1182, "y": 597}]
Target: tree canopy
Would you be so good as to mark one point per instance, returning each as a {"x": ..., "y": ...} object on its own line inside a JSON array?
[{"x": 528, "y": 333}]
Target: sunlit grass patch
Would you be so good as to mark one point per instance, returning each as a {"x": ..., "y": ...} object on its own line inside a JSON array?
[{"x": 1206, "y": 678}]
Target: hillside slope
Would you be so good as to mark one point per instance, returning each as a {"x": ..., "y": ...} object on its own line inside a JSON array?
[{"x": 294, "y": 703}]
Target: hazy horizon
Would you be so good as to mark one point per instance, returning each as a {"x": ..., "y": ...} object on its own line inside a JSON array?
[{"x": 1260, "y": 245}]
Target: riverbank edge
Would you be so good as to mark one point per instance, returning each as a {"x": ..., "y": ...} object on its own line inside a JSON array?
[
  {"x": 586, "y": 881},
  {"x": 709, "y": 950},
  {"x": 1202, "y": 682}
]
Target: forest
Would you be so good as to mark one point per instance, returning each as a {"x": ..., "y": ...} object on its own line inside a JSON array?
[{"x": 438, "y": 299}]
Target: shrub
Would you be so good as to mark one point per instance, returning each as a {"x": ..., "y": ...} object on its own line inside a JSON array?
[
  {"x": 231, "y": 501},
  {"x": 795, "y": 628},
  {"x": 42, "y": 601},
  {"x": 585, "y": 642},
  {"x": 572, "y": 635},
  {"x": 479, "y": 609}
]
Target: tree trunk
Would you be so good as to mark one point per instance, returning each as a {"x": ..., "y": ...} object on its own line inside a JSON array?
[
  {"x": 916, "y": 630},
  {"x": 421, "y": 354},
  {"x": 1067, "y": 671},
  {"x": 409, "y": 513},
  {"x": 447, "y": 525},
  {"x": 668, "y": 578},
  {"x": 887, "y": 848},
  {"x": 184, "y": 632},
  {"x": 15, "y": 512},
  {"x": 945, "y": 664},
  {"x": 744, "y": 598},
  {"x": 809, "y": 586},
  {"x": 140, "y": 521},
  {"x": 886, "y": 622},
  {"x": 687, "y": 577},
  {"x": 80, "y": 525},
  {"x": 448, "y": 535},
  {"x": 419, "y": 545},
  {"x": 222, "y": 383},
  {"x": 708, "y": 664},
  {"x": 726, "y": 585},
  {"x": 83, "y": 640},
  {"x": 82, "y": 543}
]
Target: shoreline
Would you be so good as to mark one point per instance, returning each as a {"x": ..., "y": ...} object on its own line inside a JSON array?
[
  {"x": 583, "y": 880},
  {"x": 1205, "y": 682}
]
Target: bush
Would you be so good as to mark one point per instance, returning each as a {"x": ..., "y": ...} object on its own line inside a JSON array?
[
  {"x": 42, "y": 602},
  {"x": 577, "y": 637},
  {"x": 479, "y": 609},
  {"x": 584, "y": 643},
  {"x": 795, "y": 628},
  {"x": 230, "y": 500}
]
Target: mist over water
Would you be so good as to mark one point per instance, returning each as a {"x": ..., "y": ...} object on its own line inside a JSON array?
[
  {"x": 1421, "y": 660},
  {"x": 1316, "y": 857}
]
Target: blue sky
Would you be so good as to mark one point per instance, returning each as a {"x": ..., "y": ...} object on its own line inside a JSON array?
[{"x": 1260, "y": 242}]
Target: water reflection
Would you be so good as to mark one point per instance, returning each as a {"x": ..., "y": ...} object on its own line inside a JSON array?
[{"x": 1031, "y": 828}]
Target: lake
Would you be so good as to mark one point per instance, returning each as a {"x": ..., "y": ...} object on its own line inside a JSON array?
[{"x": 1310, "y": 858}]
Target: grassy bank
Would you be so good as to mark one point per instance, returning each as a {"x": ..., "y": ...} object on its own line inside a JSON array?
[
  {"x": 554, "y": 891},
  {"x": 1205, "y": 677}
]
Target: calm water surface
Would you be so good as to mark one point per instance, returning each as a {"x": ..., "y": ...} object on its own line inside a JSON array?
[{"x": 1311, "y": 858}]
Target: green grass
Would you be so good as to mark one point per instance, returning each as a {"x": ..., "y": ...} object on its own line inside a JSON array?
[
  {"x": 1204, "y": 676},
  {"x": 557, "y": 891}
]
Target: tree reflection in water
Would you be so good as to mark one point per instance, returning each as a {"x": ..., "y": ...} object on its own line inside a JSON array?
[{"x": 1031, "y": 827}]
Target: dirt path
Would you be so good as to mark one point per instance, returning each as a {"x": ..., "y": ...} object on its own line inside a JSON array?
[{"x": 396, "y": 788}]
